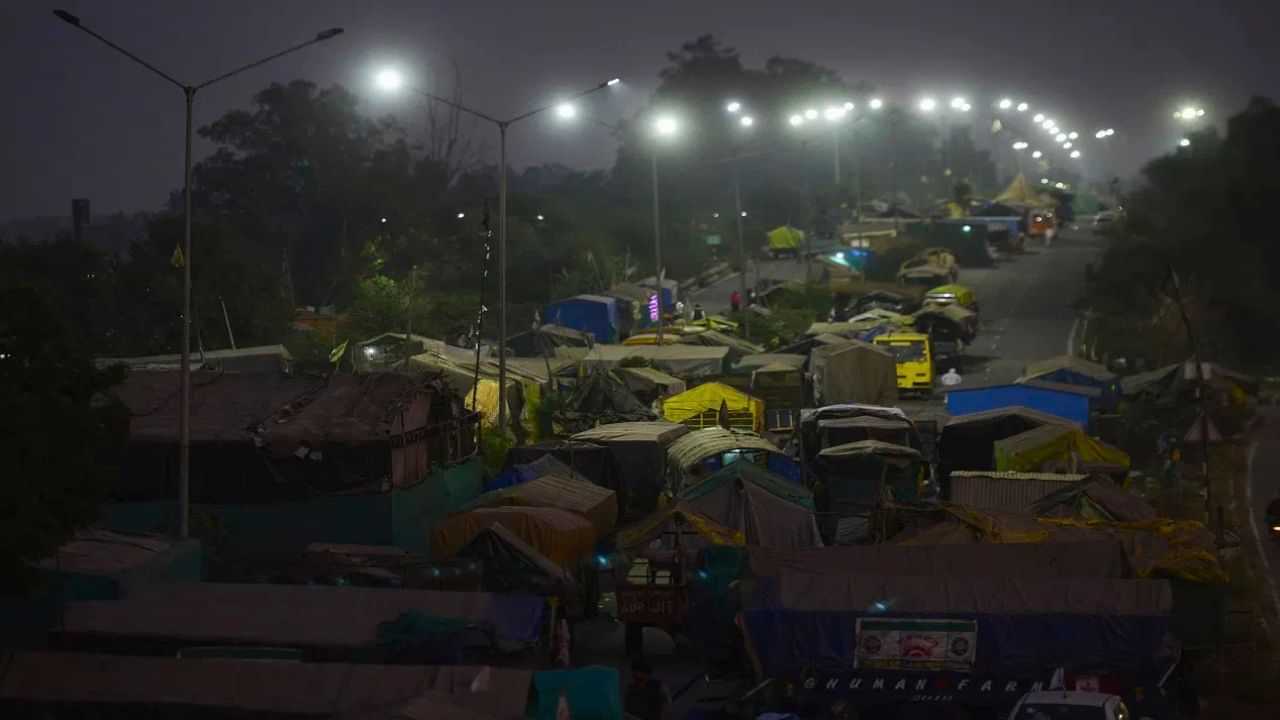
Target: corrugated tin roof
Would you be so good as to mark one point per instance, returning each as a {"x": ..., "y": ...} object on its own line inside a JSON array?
[
  {"x": 1051, "y": 477},
  {"x": 869, "y": 447},
  {"x": 1131, "y": 384}
]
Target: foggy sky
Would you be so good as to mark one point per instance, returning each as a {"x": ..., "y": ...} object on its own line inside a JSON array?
[{"x": 81, "y": 121}]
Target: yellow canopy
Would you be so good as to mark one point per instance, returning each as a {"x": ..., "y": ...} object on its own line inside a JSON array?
[
  {"x": 699, "y": 406},
  {"x": 1021, "y": 192},
  {"x": 785, "y": 238},
  {"x": 1055, "y": 448}
]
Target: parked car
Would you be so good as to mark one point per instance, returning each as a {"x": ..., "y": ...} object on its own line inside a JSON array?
[{"x": 1069, "y": 705}]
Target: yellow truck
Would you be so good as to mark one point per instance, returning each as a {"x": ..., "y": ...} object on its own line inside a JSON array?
[{"x": 915, "y": 360}]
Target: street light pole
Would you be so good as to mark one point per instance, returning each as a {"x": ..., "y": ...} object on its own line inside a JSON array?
[
  {"x": 502, "y": 126},
  {"x": 657, "y": 243},
  {"x": 184, "y": 394},
  {"x": 742, "y": 254}
]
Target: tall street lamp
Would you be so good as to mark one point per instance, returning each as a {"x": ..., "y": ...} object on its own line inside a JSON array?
[
  {"x": 665, "y": 127},
  {"x": 745, "y": 122},
  {"x": 390, "y": 80},
  {"x": 184, "y": 395}
]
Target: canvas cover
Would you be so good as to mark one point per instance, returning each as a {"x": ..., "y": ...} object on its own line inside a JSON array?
[
  {"x": 253, "y": 688},
  {"x": 1072, "y": 363},
  {"x": 1096, "y": 499},
  {"x": 699, "y": 445},
  {"x": 1005, "y": 491},
  {"x": 558, "y": 490},
  {"x": 1022, "y": 193},
  {"x": 710, "y": 397},
  {"x": 563, "y": 536},
  {"x": 1099, "y": 558},
  {"x": 639, "y": 453},
  {"x": 1057, "y": 448},
  {"x": 738, "y": 347},
  {"x": 853, "y": 372},
  {"x": 589, "y": 460},
  {"x": 688, "y": 362},
  {"x": 785, "y": 237},
  {"x": 300, "y": 616},
  {"x": 512, "y": 565},
  {"x": 647, "y": 381},
  {"x": 765, "y": 508},
  {"x": 869, "y": 448},
  {"x": 601, "y": 395},
  {"x": 751, "y": 363}
]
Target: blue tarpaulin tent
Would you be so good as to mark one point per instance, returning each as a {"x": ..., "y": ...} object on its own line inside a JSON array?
[
  {"x": 1063, "y": 403},
  {"x": 596, "y": 315}
]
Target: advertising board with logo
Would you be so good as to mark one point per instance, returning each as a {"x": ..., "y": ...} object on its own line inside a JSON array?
[{"x": 916, "y": 644}]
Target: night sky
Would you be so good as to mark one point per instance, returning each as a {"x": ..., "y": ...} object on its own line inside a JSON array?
[{"x": 83, "y": 121}]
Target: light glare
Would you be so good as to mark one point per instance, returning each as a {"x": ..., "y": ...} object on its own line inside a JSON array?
[
  {"x": 1038, "y": 118},
  {"x": 795, "y": 120},
  {"x": 733, "y": 106},
  {"x": 811, "y": 114},
  {"x": 665, "y": 126},
  {"x": 746, "y": 121},
  {"x": 1075, "y": 154},
  {"x": 1023, "y": 107},
  {"x": 1037, "y": 154},
  {"x": 389, "y": 80},
  {"x": 1006, "y": 103},
  {"x": 876, "y": 103},
  {"x": 566, "y": 111},
  {"x": 928, "y": 104}
]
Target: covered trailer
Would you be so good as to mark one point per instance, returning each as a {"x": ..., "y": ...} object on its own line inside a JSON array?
[
  {"x": 853, "y": 372},
  {"x": 595, "y": 315},
  {"x": 639, "y": 452}
]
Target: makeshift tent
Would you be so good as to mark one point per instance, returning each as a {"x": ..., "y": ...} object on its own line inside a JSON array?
[
  {"x": 968, "y": 441},
  {"x": 544, "y": 341},
  {"x": 600, "y": 396},
  {"x": 853, "y": 372},
  {"x": 785, "y": 238},
  {"x": 1022, "y": 193},
  {"x": 649, "y": 384},
  {"x": 333, "y": 619},
  {"x": 855, "y": 478},
  {"x": 1096, "y": 499},
  {"x": 639, "y": 452},
  {"x": 688, "y": 362},
  {"x": 595, "y": 315},
  {"x": 1058, "y": 448},
  {"x": 1071, "y": 370},
  {"x": 589, "y": 460},
  {"x": 750, "y": 363},
  {"x": 598, "y": 505},
  {"x": 702, "y": 452},
  {"x": 1013, "y": 492},
  {"x": 755, "y": 505},
  {"x": 67, "y": 684},
  {"x": 701, "y": 407},
  {"x": 781, "y": 385},
  {"x": 1151, "y": 382},
  {"x": 946, "y": 322},
  {"x": 563, "y": 536},
  {"x": 738, "y": 347},
  {"x": 510, "y": 565},
  {"x": 1065, "y": 403}
]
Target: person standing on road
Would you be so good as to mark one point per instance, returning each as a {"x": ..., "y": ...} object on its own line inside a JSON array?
[
  {"x": 735, "y": 301},
  {"x": 698, "y": 312}
]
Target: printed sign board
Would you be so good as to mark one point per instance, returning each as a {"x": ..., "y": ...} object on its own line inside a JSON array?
[{"x": 916, "y": 644}]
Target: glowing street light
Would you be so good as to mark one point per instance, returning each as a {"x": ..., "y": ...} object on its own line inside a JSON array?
[
  {"x": 928, "y": 104},
  {"x": 746, "y": 121},
  {"x": 733, "y": 106},
  {"x": 1073, "y": 135},
  {"x": 1020, "y": 145},
  {"x": 461, "y": 215},
  {"x": 848, "y": 106},
  {"x": 389, "y": 80},
  {"x": 1060, "y": 137},
  {"x": 1044, "y": 181},
  {"x": 1060, "y": 185},
  {"x": 796, "y": 120},
  {"x": 189, "y": 91},
  {"x": 1005, "y": 104},
  {"x": 876, "y": 103},
  {"x": 1037, "y": 154},
  {"x": 958, "y": 103},
  {"x": 541, "y": 218},
  {"x": 811, "y": 114},
  {"x": 833, "y": 113},
  {"x": 566, "y": 111},
  {"x": 1184, "y": 142},
  {"x": 1075, "y": 154},
  {"x": 1189, "y": 113},
  {"x": 1023, "y": 107},
  {"x": 1066, "y": 145},
  {"x": 1037, "y": 118},
  {"x": 665, "y": 126}
]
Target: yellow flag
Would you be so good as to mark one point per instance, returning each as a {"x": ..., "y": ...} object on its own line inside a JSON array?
[
  {"x": 177, "y": 260},
  {"x": 335, "y": 355}
]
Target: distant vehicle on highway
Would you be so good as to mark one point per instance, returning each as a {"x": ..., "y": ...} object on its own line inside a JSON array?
[
  {"x": 785, "y": 241},
  {"x": 1069, "y": 705},
  {"x": 1107, "y": 219},
  {"x": 929, "y": 267}
]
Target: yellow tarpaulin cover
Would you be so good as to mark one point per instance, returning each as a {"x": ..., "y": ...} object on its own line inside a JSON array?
[
  {"x": 785, "y": 238},
  {"x": 1022, "y": 192},
  {"x": 652, "y": 527},
  {"x": 485, "y": 399},
  {"x": 1057, "y": 448},
  {"x": 563, "y": 536},
  {"x": 709, "y": 397}
]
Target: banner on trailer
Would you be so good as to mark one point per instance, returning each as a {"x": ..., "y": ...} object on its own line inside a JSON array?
[{"x": 916, "y": 644}]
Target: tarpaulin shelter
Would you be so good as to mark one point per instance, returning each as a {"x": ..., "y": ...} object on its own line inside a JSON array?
[
  {"x": 591, "y": 461},
  {"x": 1022, "y": 193},
  {"x": 703, "y": 452},
  {"x": 511, "y": 565},
  {"x": 1064, "y": 402},
  {"x": 701, "y": 406},
  {"x": 1014, "y": 492},
  {"x": 784, "y": 238},
  {"x": 687, "y": 362},
  {"x": 1095, "y": 499},
  {"x": 759, "y": 507},
  {"x": 853, "y": 372},
  {"x": 563, "y": 536},
  {"x": 326, "y": 620},
  {"x": 544, "y": 341},
  {"x": 58, "y": 684},
  {"x": 639, "y": 452},
  {"x": 558, "y": 490},
  {"x": 600, "y": 395},
  {"x": 267, "y": 359},
  {"x": 782, "y": 387},
  {"x": 968, "y": 441},
  {"x": 649, "y": 384},
  {"x": 858, "y": 474},
  {"x": 1058, "y": 448},
  {"x": 750, "y": 363},
  {"x": 738, "y": 347},
  {"x": 946, "y": 323},
  {"x": 595, "y": 315},
  {"x": 1071, "y": 370}
]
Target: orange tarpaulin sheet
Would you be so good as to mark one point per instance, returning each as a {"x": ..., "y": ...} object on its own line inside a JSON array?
[{"x": 563, "y": 536}]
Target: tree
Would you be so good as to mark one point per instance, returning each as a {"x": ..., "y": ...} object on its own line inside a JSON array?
[{"x": 60, "y": 435}]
